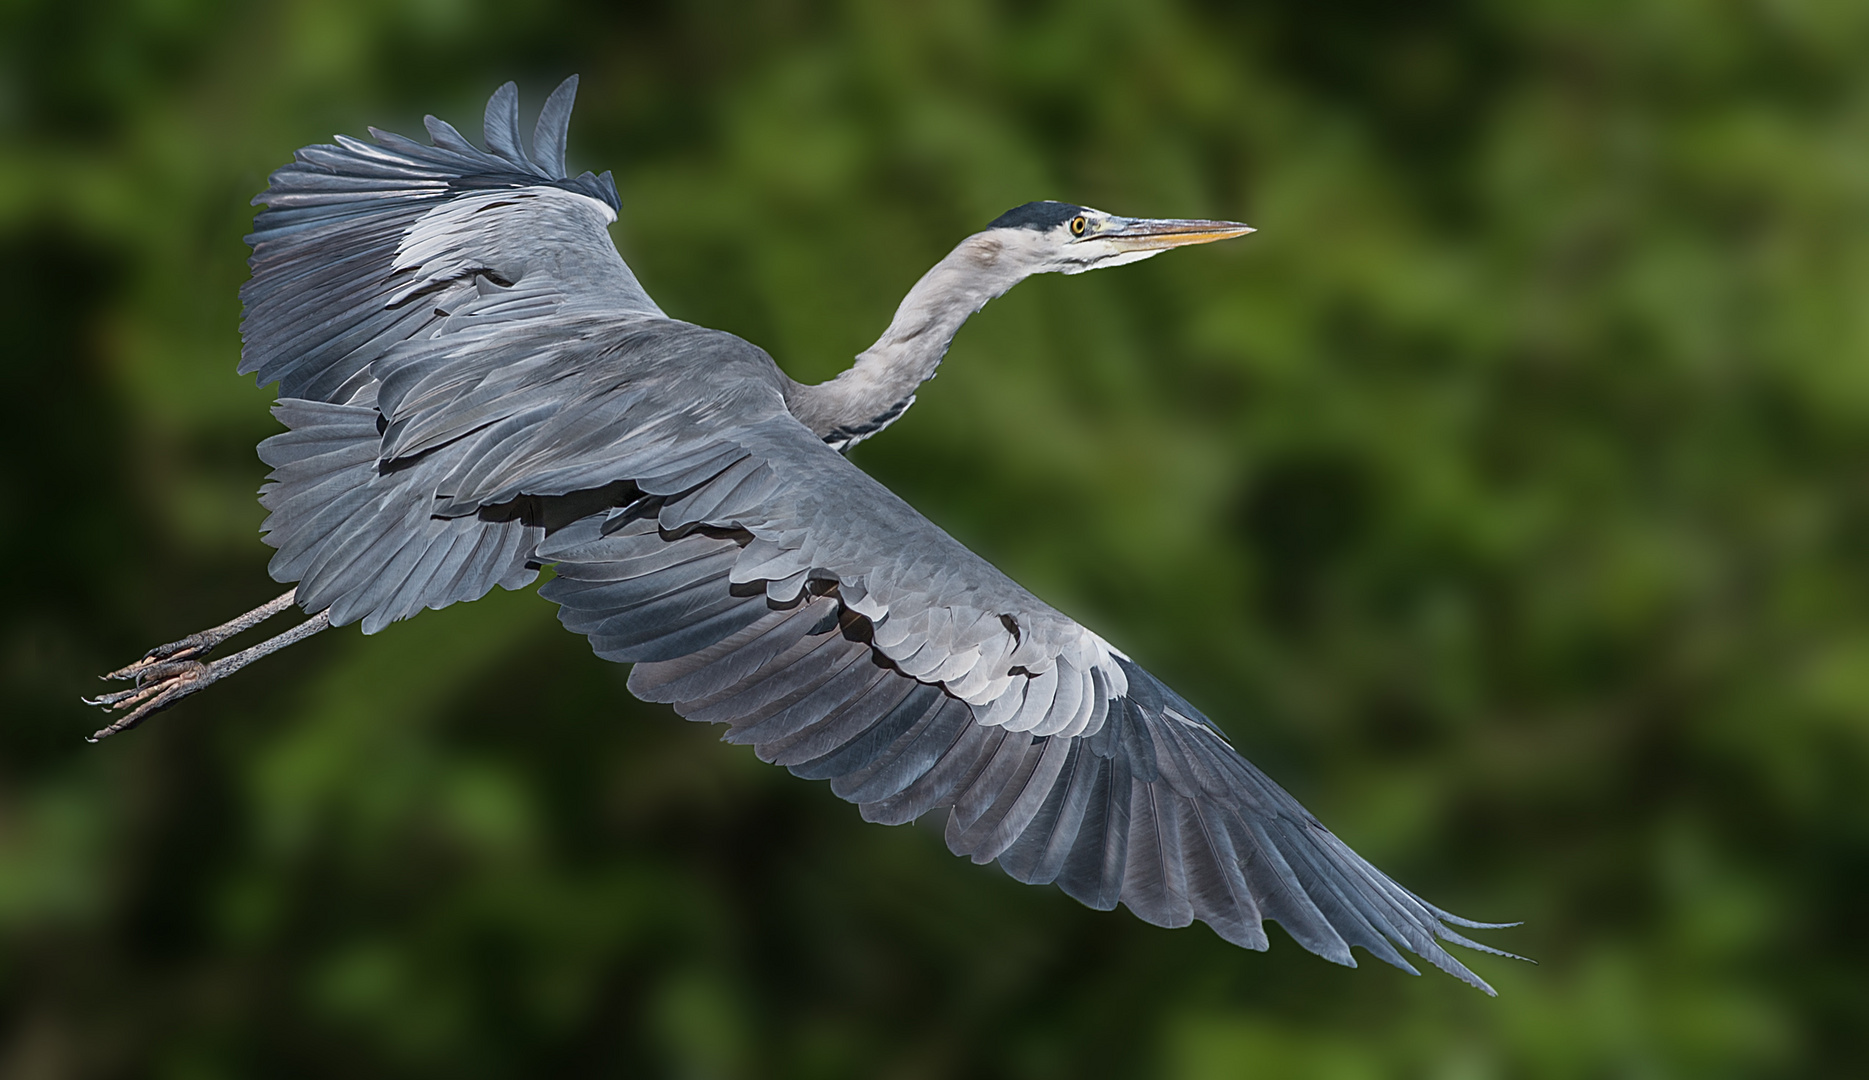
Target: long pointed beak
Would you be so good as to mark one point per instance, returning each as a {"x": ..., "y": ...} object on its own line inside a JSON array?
[{"x": 1157, "y": 234}]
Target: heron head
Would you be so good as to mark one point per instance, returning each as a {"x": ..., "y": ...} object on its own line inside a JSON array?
[{"x": 1062, "y": 238}]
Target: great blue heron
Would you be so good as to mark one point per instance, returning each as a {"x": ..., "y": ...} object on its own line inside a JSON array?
[{"x": 476, "y": 386}]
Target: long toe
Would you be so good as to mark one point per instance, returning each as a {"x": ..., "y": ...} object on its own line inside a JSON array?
[
  {"x": 162, "y": 700},
  {"x": 190, "y": 647},
  {"x": 120, "y": 697},
  {"x": 157, "y": 687}
]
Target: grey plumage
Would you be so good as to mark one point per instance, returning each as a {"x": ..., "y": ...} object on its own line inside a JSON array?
[
  {"x": 362, "y": 247},
  {"x": 475, "y": 385}
]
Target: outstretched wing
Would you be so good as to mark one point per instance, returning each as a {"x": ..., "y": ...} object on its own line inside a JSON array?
[
  {"x": 364, "y": 246},
  {"x": 781, "y": 591},
  {"x": 367, "y": 249}
]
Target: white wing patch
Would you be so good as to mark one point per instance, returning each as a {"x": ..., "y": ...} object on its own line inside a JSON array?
[{"x": 510, "y": 232}]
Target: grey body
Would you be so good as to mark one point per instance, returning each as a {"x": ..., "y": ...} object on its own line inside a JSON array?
[{"x": 475, "y": 385}]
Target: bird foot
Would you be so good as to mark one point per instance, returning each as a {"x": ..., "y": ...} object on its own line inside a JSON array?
[
  {"x": 168, "y": 673},
  {"x": 159, "y": 684},
  {"x": 196, "y": 646},
  {"x": 191, "y": 647}
]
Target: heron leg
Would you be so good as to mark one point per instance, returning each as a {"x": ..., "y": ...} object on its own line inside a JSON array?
[
  {"x": 197, "y": 645},
  {"x": 162, "y": 683}
]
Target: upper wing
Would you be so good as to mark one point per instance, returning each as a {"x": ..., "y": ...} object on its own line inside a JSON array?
[
  {"x": 781, "y": 591},
  {"x": 365, "y": 246},
  {"x": 366, "y": 252}
]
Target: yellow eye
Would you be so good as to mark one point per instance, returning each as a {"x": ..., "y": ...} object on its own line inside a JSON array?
[{"x": 1077, "y": 226}]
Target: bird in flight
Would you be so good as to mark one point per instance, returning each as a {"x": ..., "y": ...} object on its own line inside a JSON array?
[{"x": 474, "y": 386}]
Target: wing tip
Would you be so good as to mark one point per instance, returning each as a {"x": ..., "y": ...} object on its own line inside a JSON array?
[{"x": 549, "y": 134}]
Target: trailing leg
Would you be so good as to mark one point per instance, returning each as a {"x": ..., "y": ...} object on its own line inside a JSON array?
[
  {"x": 197, "y": 645},
  {"x": 170, "y": 673}
]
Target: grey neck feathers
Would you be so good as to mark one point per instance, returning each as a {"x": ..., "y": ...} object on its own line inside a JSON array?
[{"x": 881, "y": 385}]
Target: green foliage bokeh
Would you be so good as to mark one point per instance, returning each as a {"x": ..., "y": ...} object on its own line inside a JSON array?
[{"x": 1507, "y": 497}]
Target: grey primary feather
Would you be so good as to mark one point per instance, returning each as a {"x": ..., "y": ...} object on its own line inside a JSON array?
[
  {"x": 548, "y": 136},
  {"x": 502, "y": 128},
  {"x": 329, "y": 294},
  {"x": 474, "y": 385}
]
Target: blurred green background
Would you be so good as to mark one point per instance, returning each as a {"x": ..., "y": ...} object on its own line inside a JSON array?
[{"x": 1507, "y": 497}]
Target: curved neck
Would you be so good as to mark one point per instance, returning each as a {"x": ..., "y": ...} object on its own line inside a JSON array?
[{"x": 880, "y": 386}]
